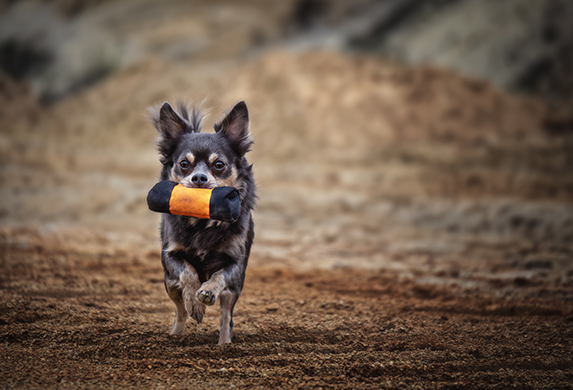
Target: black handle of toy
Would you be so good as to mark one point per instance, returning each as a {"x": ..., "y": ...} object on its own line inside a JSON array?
[
  {"x": 159, "y": 196},
  {"x": 225, "y": 204}
]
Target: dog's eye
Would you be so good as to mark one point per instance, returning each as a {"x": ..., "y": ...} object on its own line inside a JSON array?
[
  {"x": 219, "y": 165},
  {"x": 184, "y": 164}
]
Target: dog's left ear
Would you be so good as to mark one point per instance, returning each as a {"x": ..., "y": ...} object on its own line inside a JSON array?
[{"x": 235, "y": 127}]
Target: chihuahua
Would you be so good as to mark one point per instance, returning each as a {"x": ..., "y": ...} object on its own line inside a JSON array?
[{"x": 205, "y": 260}]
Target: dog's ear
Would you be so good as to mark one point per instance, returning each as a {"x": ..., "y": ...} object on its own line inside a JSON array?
[
  {"x": 170, "y": 124},
  {"x": 235, "y": 127}
]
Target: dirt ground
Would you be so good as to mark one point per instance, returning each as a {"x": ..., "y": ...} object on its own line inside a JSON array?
[
  {"x": 96, "y": 318},
  {"x": 414, "y": 229}
]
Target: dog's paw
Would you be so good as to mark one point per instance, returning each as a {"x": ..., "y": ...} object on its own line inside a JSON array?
[
  {"x": 206, "y": 297},
  {"x": 194, "y": 308},
  {"x": 197, "y": 312},
  {"x": 178, "y": 326}
]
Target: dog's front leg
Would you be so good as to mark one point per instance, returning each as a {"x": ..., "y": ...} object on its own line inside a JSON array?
[
  {"x": 225, "y": 284},
  {"x": 181, "y": 283},
  {"x": 190, "y": 283}
]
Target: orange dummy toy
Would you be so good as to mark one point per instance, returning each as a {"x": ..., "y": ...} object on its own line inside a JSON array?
[{"x": 221, "y": 203}]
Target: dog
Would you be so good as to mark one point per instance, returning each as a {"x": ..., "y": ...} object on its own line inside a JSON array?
[{"x": 205, "y": 260}]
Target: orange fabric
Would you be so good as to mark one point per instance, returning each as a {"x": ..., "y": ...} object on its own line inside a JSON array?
[{"x": 192, "y": 202}]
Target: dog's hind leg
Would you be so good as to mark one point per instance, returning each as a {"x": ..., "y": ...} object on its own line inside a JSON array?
[
  {"x": 225, "y": 284},
  {"x": 228, "y": 300}
]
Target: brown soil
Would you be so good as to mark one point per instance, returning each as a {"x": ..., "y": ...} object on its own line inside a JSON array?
[
  {"x": 100, "y": 319},
  {"x": 414, "y": 229}
]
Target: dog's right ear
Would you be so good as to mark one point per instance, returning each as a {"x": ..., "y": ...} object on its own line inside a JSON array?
[{"x": 170, "y": 124}]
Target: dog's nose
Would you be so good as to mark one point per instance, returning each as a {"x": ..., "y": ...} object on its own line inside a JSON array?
[{"x": 199, "y": 179}]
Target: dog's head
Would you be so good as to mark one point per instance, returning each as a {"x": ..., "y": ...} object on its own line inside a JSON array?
[{"x": 203, "y": 160}]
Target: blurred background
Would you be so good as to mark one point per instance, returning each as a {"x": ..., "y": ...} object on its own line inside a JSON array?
[{"x": 431, "y": 137}]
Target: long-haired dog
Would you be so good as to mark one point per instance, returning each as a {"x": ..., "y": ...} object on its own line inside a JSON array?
[{"x": 205, "y": 260}]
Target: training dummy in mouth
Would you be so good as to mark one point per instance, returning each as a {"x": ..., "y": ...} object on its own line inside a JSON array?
[{"x": 220, "y": 203}]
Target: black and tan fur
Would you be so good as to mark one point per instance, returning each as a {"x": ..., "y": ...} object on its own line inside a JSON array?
[{"x": 205, "y": 260}]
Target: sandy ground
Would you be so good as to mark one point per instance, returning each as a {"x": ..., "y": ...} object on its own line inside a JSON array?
[
  {"x": 414, "y": 229},
  {"x": 95, "y": 318}
]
